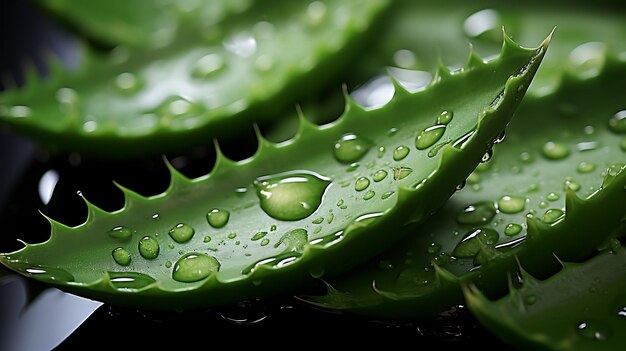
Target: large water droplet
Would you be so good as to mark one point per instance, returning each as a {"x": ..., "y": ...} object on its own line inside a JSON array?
[
  {"x": 400, "y": 152},
  {"x": 380, "y": 175},
  {"x": 512, "y": 229},
  {"x": 429, "y": 136},
  {"x": 218, "y": 218},
  {"x": 361, "y": 184},
  {"x": 511, "y": 204},
  {"x": 120, "y": 232},
  {"x": 194, "y": 267},
  {"x": 552, "y": 215},
  {"x": 555, "y": 150},
  {"x": 149, "y": 247},
  {"x": 617, "y": 123},
  {"x": 294, "y": 240},
  {"x": 479, "y": 213},
  {"x": 291, "y": 196},
  {"x": 130, "y": 280},
  {"x": 181, "y": 233},
  {"x": 208, "y": 65},
  {"x": 351, "y": 148},
  {"x": 121, "y": 256},
  {"x": 471, "y": 243},
  {"x": 43, "y": 273}
]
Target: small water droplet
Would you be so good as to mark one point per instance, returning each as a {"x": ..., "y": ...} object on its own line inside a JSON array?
[
  {"x": 400, "y": 152},
  {"x": 207, "y": 239},
  {"x": 265, "y": 242},
  {"x": 361, "y": 184},
  {"x": 149, "y": 247},
  {"x": 552, "y": 215},
  {"x": 387, "y": 195},
  {"x": 291, "y": 196},
  {"x": 512, "y": 229},
  {"x": 120, "y": 232},
  {"x": 155, "y": 216},
  {"x": 232, "y": 235},
  {"x": 352, "y": 167},
  {"x": 617, "y": 123},
  {"x": 553, "y": 197},
  {"x": 593, "y": 330},
  {"x": 127, "y": 83},
  {"x": 511, "y": 204},
  {"x": 368, "y": 195},
  {"x": 330, "y": 218},
  {"x": 318, "y": 220},
  {"x": 121, "y": 256},
  {"x": 381, "y": 151},
  {"x": 525, "y": 157},
  {"x": 130, "y": 280},
  {"x": 294, "y": 240},
  {"x": 351, "y": 148},
  {"x": 429, "y": 136},
  {"x": 461, "y": 186},
  {"x": 543, "y": 204},
  {"x": 181, "y": 233},
  {"x": 500, "y": 138},
  {"x": 194, "y": 267},
  {"x": 555, "y": 150},
  {"x": 258, "y": 236},
  {"x": 479, "y": 213},
  {"x": 340, "y": 203},
  {"x": 401, "y": 172},
  {"x": 168, "y": 264},
  {"x": 588, "y": 58},
  {"x": 242, "y": 45},
  {"x": 218, "y": 218},
  {"x": 585, "y": 167},
  {"x": 471, "y": 243},
  {"x": 570, "y": 184},
  {"x": 207, "y": 66},
  {"x": 433, "y": 248},
  {"x": 445, "y": 117},
  {"x": 487, "y": 156},
  {"x": 380, "y": 175}
]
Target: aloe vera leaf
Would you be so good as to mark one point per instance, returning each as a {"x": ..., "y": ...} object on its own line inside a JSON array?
[
  {"x": 292, "y": 209},
  {"x": 422, "y": 276},
  {"x": 423, "y": 31},
  {"x": 582, "y": 307},
  {"x": 136, "y": 101}
]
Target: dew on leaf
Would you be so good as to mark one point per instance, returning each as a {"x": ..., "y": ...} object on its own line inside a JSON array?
[
  {"x": 148, "y": 247},
  {"x": 555, "y": 150},
  {"x": 120, "y": 233},
  {"x": 121, "y": 256},
  {"x": 429, "y": 136},
  {"x": 476, "y": 214},
  {"x": 351, "y": 148},
  {"x": 181, "y": 233},
  {"x": 194, "y": 267},
  {"x": 400, "y": 152},
  {"x": 218, "y": 218},
  {"x": 361, "y": 184},
  {"x": 511, "y": 204}
]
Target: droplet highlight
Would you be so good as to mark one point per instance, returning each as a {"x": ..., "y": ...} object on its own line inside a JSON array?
[{"x": 429, "y": 136}]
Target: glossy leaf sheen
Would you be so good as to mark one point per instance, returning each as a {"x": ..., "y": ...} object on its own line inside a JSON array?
[{"x": 258, "y": 254}]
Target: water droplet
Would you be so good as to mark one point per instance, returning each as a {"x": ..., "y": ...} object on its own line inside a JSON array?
[
  {"x": 570, "y": 184},
  {"x": 130, "y": 280},
  {"x": 361, "y": 184},
  {"x": 445, "y": 117},
  {"x": 121, "y": 256},
  {"x": 258, "y": 236},
  {"x": 471, "y": 243},
  {"x": 615, "y": 245},
  {"x": 19, "y": 111},
  {"x": 127, "y": 83},
  {"x": 526, "y": 157},
  {"x": 473, "y": 178},
  {"x": 487, "y": 156},
  {"x": 593, "y": 330},
  {"x": 294, "y": 240},
  {"x": 181, "y": 233},
  {"x": 479, "y": 213},
  {"x": 511, "y": 204},
  {"x": 155, "y": 216},
  {"x": 68, "y": 100},
  {"x": 291, "y": 196},
  {"x": 351, "y": 148},
  {"x": 207, "y": 239},
  {"x": 50, "y": 274},
  {"x": 380, "y": 175},
  {"x": 387, "y": 195},
  {"x": 120, "y": 232},
  {"x": 340, "y": 203},
  {"x": 555, "y": 150},
  {"x": 318, "y": 220},
  {"x": 381, "y": 151},
  {"x": 168, "y": 264},
  {"x": 617, "y": 123},
  {"x": 543, "y": 204},
  {"x": 401, "y": 172},
  {"x": 148, "y": 247},
  {"x": 400, "y": 152},
  {"x": 265, "y": 242},
  {"x": 586, "y": 167},
  {"x": 552, "y": 215},
  {"x": 404, "y": 58},
  {"x": 553, "y": 197},
  {"x": 194, "y": 267},
  {"x": 218, "y": 218},
  {"x": 273, "y": 228},
  {"x": 429, "y": 136},
  {"x": 512, "y": 229},
  {"x": 368, "y": 195},
  {"x": 207, "y": 66},
  {"x": 433, "y": 248},
  {"x": 352, "y": 167},
  {"x": 242, "y": 45},
  {"x": 330, "y": 218},
  {"x": 435, "y": 149},
  {"x": 500, "y": 138},
  {"x": 461, "y": 186},
  {"x": 232, "y": 235}
]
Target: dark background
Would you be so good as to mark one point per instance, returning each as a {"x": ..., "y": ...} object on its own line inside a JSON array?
[{"x": 25, "y": 36}]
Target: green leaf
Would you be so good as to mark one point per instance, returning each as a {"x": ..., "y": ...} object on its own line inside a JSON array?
[
  {"x": 582, "y": 307},
  {"x": 264, "y": 224},
  {"x": 204, "y": 80},
  {"x": 511, "y": 207}
]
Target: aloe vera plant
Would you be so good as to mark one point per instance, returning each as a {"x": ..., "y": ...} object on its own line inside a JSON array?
[
  {"x": 555, "y": 186},
  {"x": 202, "y": 80},
  {"x": 582, "y": 307},
  {"x": 290, "y": 211}
]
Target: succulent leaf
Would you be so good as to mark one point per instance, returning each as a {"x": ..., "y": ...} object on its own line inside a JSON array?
[{"x": 310, "y": 206}]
